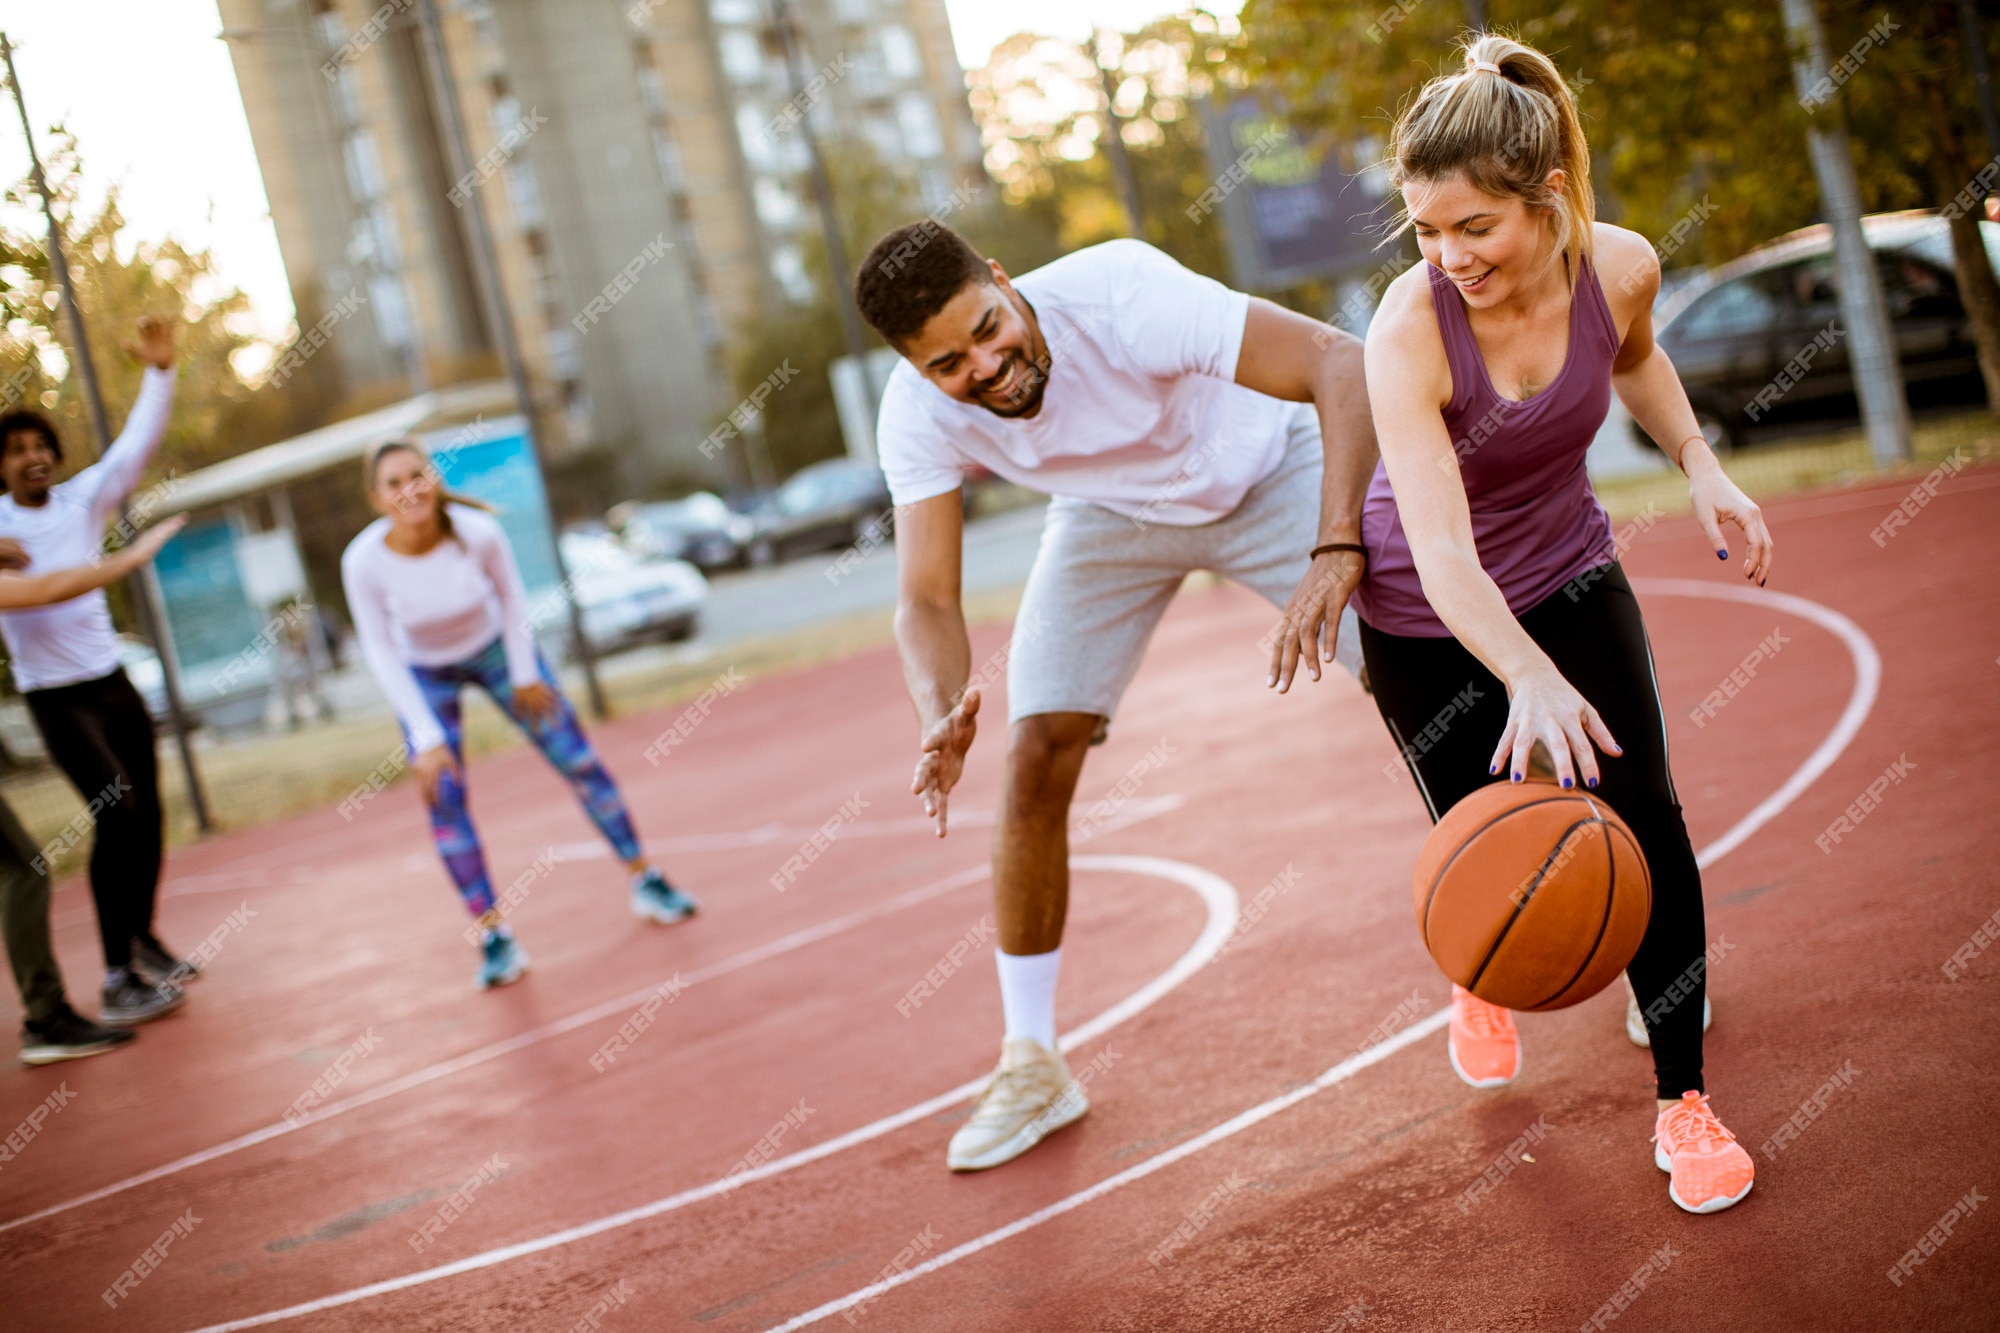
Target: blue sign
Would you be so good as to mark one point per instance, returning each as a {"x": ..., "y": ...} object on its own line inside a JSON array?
[
  {"x": 491, "y": 461},
  {"x": 208, "y": 612}
]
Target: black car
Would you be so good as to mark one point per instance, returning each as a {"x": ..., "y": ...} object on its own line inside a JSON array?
[
  {"x": 1733, "y": 331},
  {"x": 821, "y": 507}
]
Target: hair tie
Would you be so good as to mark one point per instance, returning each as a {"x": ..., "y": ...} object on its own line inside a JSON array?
[{"x": 1486, "y": 65}]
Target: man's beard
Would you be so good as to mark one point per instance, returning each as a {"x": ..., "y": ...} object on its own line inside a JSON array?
[{"x": 1034, "y": 382}]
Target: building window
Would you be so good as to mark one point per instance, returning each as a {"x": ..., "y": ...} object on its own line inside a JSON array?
[
  {"x": 900, "y": 53},
  {"x": 777, "y": 206},
  {"x": 853, "y": 11},
  {"x": 736, "y": 11},
  {"x": 788, "y": 266},
  {"x": 652, "y": 89},
  {"x": 881, "y": 133},
  {"x": 525, "y": 192},
  {"x": 564, "y": 360},
  {"x": 392, "y": 310},
  {"x": 742, "y": 54},
  {"x": 918, "y": 119},
  {"x": 364, "y": 165}
]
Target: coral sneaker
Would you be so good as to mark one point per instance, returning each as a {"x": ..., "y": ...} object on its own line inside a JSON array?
[
  {"x": 1709, "y": 1169},
  {"x": 1485, "y": 1049}
]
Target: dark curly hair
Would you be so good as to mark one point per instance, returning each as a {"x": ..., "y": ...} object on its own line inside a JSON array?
[
  {"x": 911, "y": 274},
  {"x": 26, "y": 418}
]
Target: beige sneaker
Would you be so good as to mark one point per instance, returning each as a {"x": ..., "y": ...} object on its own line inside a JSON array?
[
  {"x": 1635, "y": 1022},
  {"x": 1031, "y": 1096}
]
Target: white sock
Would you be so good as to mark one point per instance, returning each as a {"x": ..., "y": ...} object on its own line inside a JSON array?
[{"x": 1028, "y": 993}]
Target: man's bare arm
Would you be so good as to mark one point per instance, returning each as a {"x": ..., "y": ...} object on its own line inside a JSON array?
[{"x": 933, "y": 644}]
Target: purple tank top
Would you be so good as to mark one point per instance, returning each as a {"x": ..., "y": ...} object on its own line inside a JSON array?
[{"x": 1535, "y": 521}]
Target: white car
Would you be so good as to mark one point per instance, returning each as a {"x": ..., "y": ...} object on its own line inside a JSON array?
[{"x": 623, "y": 599}]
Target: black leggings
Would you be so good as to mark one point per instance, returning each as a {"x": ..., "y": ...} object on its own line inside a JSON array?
[
  {"x": 100, "y": 735},
  {"x": 1446, "y": 711}
]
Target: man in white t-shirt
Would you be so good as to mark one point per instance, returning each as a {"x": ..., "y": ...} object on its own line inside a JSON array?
[
  {"x": 65, "y": 660},
  {"x": 1178, "y": 426}
]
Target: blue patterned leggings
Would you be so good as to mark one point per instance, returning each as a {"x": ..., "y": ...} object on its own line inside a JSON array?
[{"x": 561, "y": 742}]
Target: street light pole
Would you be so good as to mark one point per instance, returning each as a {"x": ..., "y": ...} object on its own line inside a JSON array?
[
  {"x": 152, "y": 620},
  {"x": 486, "y": 264}
]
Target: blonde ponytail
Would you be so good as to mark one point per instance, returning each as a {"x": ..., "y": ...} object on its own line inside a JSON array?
[{"x": 1503, "y": 124}]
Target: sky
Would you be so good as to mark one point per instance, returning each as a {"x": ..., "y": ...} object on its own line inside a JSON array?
[{"x": 148, "y": 88}]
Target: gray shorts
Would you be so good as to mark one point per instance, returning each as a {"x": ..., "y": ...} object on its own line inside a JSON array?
[{"x": 1101, "y": 582}]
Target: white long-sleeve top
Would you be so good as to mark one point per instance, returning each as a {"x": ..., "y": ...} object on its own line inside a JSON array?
[
  {"x": 74, "y": 641},
  {"x": 434, "y": 609}
]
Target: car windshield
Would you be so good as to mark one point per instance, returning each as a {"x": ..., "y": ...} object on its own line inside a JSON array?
[
  {"x": 1744, "y": 305},
  {"x": 590, "y": 553}
]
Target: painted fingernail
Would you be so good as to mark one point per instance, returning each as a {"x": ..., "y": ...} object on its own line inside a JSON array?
[
  {"x": 1517, "y": 777},
  {"x": 1591, "y": 782},
  {"x": 1721, "y": 554},
  {"x": 1567, "y": 784},
  {"x": 1492, "y": 769}
]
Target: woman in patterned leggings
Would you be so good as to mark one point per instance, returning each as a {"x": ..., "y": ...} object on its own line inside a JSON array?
[{"x": 438, "y": 605}]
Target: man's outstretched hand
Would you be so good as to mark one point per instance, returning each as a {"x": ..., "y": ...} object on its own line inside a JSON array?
[
  {"x": 1312, "y": 621},
  {"x": 943, "y": 758},
  {"x": 155, "y": 345}
]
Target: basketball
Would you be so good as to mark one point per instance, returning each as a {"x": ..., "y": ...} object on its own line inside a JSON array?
[{"x": 1532, "y": 897}]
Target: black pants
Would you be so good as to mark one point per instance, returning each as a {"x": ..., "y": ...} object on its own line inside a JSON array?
[
  {"x": 100, "y": 735},
  {"x": 1446, "y": 711},
  {"x": 24, "y": 920}
]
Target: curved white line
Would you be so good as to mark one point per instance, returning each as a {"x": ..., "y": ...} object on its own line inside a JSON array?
[
  {"x": 1867, "y": 684},
  {"x": 1867, "y": 679},
  {"x": 1217, "y": 895}
]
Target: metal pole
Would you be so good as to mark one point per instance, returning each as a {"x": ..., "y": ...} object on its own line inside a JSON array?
[
  {"x": 152, "y": 619},
  {"x": 1122, "y": 175},
  {"x": 486, "y": 263},
  {"x": 1871, "y": 344},
  {"x": 852, "y": 331}
]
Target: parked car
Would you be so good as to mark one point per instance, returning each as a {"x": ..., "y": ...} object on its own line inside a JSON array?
[
  {"x": 623, "y": 599},
  {"x": 1732, "y": 330},
  {"x": 700, "y": 529},
  {"x": 820, "y": 507}
]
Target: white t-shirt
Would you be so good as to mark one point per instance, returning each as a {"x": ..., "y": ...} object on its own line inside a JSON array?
[
  {"x": 436, "y": 609},
  {"x": 74, "y": 641},
  {"x": 1141, "y": 413}
]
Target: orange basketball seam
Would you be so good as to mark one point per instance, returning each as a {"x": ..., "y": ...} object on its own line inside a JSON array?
[
  {"x": 1464, "y": 844},
  {"x": 1604, "y": 922},
  {"x": 1522, "y": 905}
]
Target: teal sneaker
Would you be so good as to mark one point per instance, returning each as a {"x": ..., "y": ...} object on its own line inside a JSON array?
[
  {"x": 657, "y": 900},
  {"x": 503, "y": 964}
]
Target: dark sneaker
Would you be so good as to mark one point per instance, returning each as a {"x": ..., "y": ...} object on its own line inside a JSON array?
[
  {"x": 502, "y": 962},
  {"x": 67, "y": 1035},
  {"x": 657, "y": 900},
  {"x": 155, "y": 966},
  {"x": 129, "y": 1001}
]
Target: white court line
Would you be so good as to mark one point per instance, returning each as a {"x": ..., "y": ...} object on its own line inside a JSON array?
[
  {"x": 1218, "y": 895},
  {"x": 1867, "y": 678},
  {"x": 1867, "y": 664}
]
